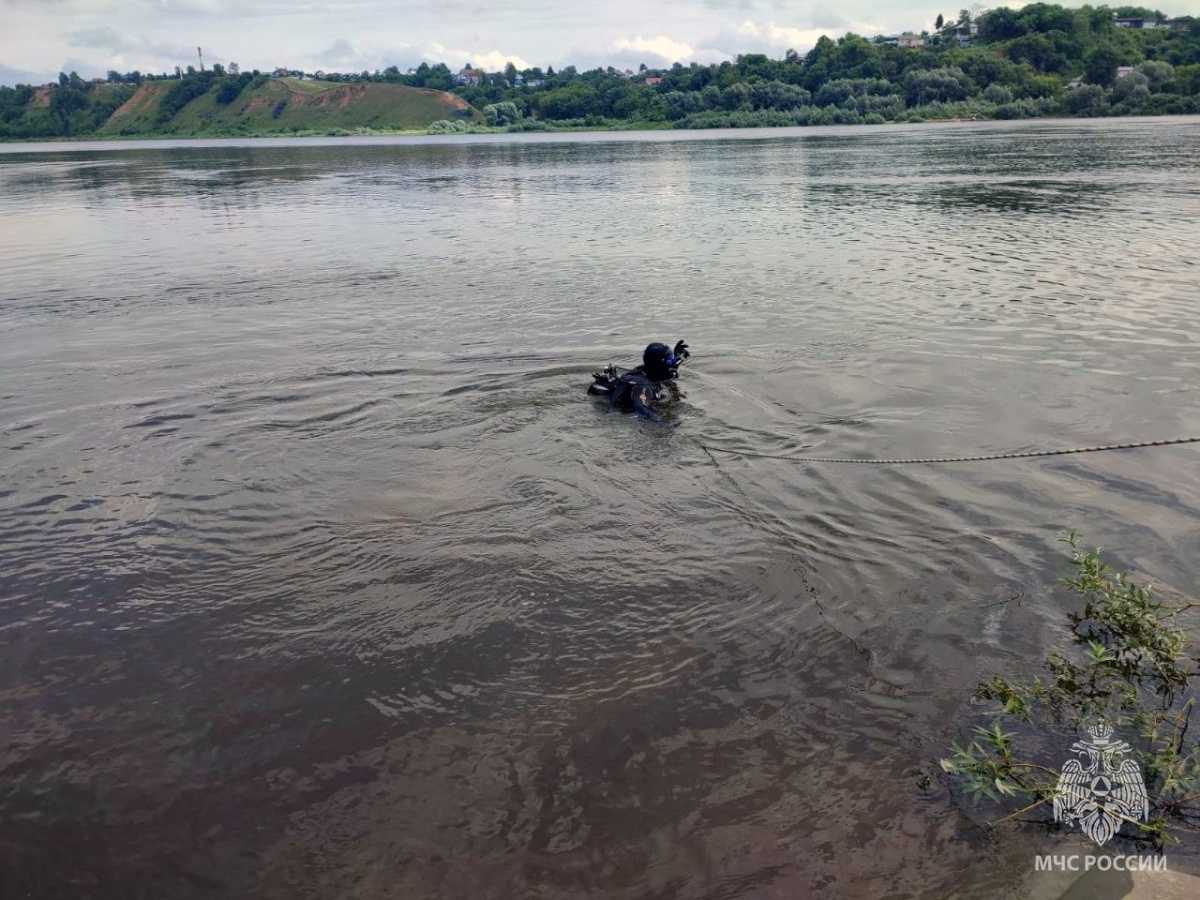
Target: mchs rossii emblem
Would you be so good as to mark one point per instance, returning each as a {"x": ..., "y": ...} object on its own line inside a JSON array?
[{"x": 1100, "y": 790}]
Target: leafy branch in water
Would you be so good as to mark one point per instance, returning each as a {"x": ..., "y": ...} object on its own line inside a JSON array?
[{"x": 1131, "y": 669}]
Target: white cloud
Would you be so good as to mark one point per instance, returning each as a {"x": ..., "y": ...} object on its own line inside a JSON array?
[
  {"x": 488, "y": 60},
  {"x": 354, "y": 35},
  {"x": 343, "y": 56},
  {"x": 663, "y": 47},
  {"x": 203, "y": 7},
  {"x": 339, "y": 53},
  {"x": 112, "y": 50},
  {"x": 12, "y": 77},
  {"x": 772, "y": 35},
  {"x": 772, "y": 39},
  {"x": 746, "y": 36},
  {"x": 358, "y": 56},
  {"x": 103, "y": 38},
  {"x": 495, "y": 61}
]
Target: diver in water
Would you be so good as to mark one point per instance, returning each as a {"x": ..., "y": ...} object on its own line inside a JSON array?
[{"x": 638, "y": 389}]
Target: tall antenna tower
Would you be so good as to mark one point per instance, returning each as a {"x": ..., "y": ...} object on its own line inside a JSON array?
[{"x": 200, "y": 54}]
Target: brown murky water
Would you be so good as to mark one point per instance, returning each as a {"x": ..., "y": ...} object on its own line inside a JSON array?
[{"x": 323, "y": 578}]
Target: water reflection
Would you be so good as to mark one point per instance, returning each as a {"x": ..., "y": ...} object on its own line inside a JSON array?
[{"x": 1055, "y": 199}]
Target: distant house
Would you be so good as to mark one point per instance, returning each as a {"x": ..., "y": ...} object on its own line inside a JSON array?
[
  {"x": 533, "y": 82},
  {"x": 652, "y": 80},
  {"x": 1181, "y": 24},
  {"x": 908, "y": 39},
  {"x": 1122, "y": 71},
  {"x": 963, "y": 32},
  {"x": 1121, "y": 22},
  {"x": 469, "y": 78}
]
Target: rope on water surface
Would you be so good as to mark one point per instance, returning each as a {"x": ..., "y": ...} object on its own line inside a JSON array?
[{"x": 1029, "y": 454}]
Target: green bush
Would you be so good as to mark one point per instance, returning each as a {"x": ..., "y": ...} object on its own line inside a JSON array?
[
  {"x": 1027, "y": 108},
  {"x": 1131, "y": 667},
  {"x": 946, "y": 84},
  {"x": 183, "y": 92},
  {"x": 230, "y": 90},
  {"x": 1131, "y": 92},
  {"x": 1085, "y": 100},
  {"x": 530, "y": 125},
  {"x": 507, "y": 113},
  {"x": 998, "y": 94},
  {"x": 446, "y": 126}
]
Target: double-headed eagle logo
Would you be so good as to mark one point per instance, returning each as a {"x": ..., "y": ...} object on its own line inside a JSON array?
[{"x": 1105, "y": 792}]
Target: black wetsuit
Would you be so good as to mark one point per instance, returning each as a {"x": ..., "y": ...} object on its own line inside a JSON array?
[
  {"x": 638, "y": 389},
  {"x": 633, "y": 391}
]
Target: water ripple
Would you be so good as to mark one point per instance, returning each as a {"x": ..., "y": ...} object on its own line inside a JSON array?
[{"x": 323, "y": 576}]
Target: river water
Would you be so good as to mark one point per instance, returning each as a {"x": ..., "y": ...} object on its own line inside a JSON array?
[{"x": 322, "y": 577}]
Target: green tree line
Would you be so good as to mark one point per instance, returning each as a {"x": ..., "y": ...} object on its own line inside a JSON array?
[
  {"x": 77, "y": 108},
  {"x": 1040, "y": 60},
  {"x": 72, "y": 108}
]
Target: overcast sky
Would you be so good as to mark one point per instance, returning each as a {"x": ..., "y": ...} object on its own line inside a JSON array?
[{"x": 39, "y": 38}]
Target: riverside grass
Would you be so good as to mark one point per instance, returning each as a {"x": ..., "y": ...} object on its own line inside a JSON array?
[{"x": 290, "y": 106}]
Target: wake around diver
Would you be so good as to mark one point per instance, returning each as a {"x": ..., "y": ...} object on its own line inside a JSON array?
[{"x": 639, "y": 389}]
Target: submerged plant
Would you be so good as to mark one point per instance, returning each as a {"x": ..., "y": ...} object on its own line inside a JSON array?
[{"x": 1131, "y": 670}]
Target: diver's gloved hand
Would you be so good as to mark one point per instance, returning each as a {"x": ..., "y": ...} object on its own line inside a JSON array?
[{"x": 681, "y": 351}]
